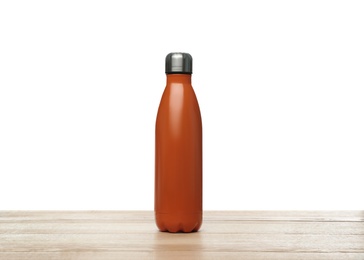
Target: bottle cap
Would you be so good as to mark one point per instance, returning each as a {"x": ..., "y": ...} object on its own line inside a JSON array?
[{"x": 178, "y": 63}]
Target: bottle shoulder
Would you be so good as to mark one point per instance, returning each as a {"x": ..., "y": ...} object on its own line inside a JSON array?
[
  {"x": 179, "y": 99},
  {"x": 179, "y": 93}
]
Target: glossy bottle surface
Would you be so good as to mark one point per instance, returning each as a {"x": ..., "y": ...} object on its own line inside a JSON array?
[{"x": 178, "y": 158}]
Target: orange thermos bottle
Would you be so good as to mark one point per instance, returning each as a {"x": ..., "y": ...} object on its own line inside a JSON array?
[{"x": 178, "y": 151}]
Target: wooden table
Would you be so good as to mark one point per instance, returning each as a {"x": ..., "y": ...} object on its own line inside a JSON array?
[{"x": 224, "y": 235}]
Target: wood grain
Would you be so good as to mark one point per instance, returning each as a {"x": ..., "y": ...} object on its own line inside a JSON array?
[{"x": 224, "y": 235}]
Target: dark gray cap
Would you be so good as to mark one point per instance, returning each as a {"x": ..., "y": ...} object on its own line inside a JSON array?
[{"x": 179, "y": 63}]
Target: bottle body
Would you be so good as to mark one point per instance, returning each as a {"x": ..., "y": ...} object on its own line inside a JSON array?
[{"x": 178, "y": 158}]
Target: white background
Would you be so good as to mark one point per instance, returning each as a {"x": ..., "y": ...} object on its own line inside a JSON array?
[{"x": 280, "y": 86}]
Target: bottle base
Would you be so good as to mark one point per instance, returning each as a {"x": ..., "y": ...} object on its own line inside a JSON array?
[{"x": 182, "y": 222}]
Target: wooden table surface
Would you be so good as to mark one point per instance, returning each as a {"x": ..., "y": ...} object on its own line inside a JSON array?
[{"x": 224, "y": 235}]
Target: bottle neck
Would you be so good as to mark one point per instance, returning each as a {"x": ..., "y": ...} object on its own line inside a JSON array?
[{"x": 179, "y": 78}]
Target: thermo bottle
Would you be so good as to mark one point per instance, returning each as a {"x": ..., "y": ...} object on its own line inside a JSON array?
[{"x": 178, "y": 151}]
